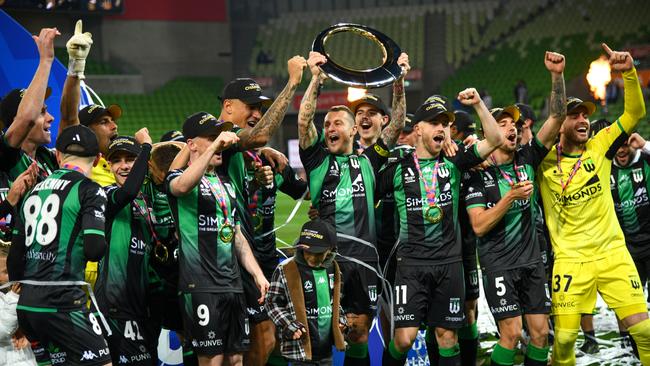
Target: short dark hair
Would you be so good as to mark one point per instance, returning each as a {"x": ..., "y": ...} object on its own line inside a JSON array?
[
  {"x": 163, "y": 156},
  {"x": 342, "y": 108}
]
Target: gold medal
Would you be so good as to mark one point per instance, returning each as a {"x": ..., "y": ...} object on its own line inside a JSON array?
[
  {"x": 433, "y": 214},
  {"x": 226, "y": 233},
  {"x": 161, "y": 253}
]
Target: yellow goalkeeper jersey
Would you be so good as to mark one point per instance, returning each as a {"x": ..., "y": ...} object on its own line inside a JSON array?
[{"x": 581, "y": 220}]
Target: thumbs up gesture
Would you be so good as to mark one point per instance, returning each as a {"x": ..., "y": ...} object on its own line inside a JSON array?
[{"x": 78, "y": 47}]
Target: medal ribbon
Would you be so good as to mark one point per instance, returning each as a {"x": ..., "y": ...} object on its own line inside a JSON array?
[
  {"x": 147, "y": 217},
  {"x": 576, "y": 166},
  {"x": 504, "y": 174},
  {"x": 71, "y": 167},
  {"x": 430, "y": 190},
  {"x": 218, "y": 191}
]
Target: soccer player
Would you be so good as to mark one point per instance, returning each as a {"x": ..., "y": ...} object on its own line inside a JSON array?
[
  {"x": 342, "y": 189},
  {"x": 211, "y": 246},
  {"x": 241, "y": 104},
  {"x": 370, "y": 118},
  {"x": 588, "y": 243},
  {"x": 61, "y": 225},
  {"x": 123, "y": 282},
  {"x": 426, "y": 185}
]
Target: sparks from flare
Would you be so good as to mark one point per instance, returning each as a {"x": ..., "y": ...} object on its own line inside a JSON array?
[{"x": 599, "y": 76}]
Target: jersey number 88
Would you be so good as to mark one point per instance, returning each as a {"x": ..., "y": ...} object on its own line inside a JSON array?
[{"x": 43, "y": 229}]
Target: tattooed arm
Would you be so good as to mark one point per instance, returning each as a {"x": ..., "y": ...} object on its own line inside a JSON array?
[
  {"x": 548, "y": 132},
  {"x": 259, "y": 135},
  {"x": 307, "y": 133},
  {"x": 390, "y": 134}
]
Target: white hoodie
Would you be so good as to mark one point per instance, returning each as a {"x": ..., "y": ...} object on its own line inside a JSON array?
[{"x": 8, "y": 325}]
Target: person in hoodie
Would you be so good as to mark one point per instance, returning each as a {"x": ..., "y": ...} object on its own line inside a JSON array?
[{"x": 304, "y": 298}]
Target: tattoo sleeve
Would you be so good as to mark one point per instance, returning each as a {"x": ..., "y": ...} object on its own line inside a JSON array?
[
  {"x": 557, "y": 112},
  {"x": 307, "y": 133},
  {"x": 268, "y": 124},
  {"x": 398, "y": 115}
]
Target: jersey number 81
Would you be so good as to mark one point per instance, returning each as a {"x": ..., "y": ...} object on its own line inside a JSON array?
[{"x": 43, "y": 229}]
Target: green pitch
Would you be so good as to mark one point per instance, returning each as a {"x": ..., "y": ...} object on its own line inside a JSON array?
[{"x": 284, "y": 206}]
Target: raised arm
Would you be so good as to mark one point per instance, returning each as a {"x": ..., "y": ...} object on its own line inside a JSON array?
[
  {"x": 78, "y": 48},
  {"x": 259, "y": 135},
  {"x": 547, "y": 134},
  {"x": 248, "y": 261},
  {"x": 307, "y": 133},
  {"x": 390, "y": 134},
  {"x": 493, "y": 137},
  {"x": 32, "y": 104},
  {"x": 186, "y": 182}
]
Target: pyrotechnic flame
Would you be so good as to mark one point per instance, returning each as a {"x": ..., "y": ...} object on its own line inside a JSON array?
[
  {"x": 355, "y": 93},
  {"x": 599, "y": 76}
]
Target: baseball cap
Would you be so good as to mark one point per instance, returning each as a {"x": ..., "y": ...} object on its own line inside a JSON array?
[
  {"x": 10, "y": 102},
  {"x": 123, "y": 143},
  {"x": 91, "y": 113},
  {"x": 464, "y": 122},
  {"x": 526, "y": 112},
  {"x": 433, "y": 107},
  {"x": 510, "y": 110},
  {"x": 317, "y": 236},
  {"x": 78, "y": 135},
  {"x": 246, "y": 90},
  {"x": 173, "y": 135},
  {"x": 408, "y": 123},
  {"x": 371, "y": 99},
  {"x": 203, "y": 124},
  {"x": 572, "y": 103}
]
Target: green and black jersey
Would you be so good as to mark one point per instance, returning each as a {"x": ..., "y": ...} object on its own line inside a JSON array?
[
  {"x": 513, "y": 241},
  {"x": 15, "y": 161},
  {"x": 420, "y": 240},
  {"x": 53, "y": 219},
  {"x": 262, "y": 202},
  {"x": 206, "y": 262},
  {"x": 6, "y": 221},
  {"x": 630, "y": 186},
  {"x": 342, "y": 189},
  {"x": 123, "y": 279}
]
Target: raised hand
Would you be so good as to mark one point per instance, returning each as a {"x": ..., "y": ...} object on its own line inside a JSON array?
[
  {"x": 636, "y": 141},
  {"x": 45, "y": 43},
  {"x": 22, "y": 184},
  {"x": 142, "y": 136},
  {"x": 403, "y": 61},
  {"x": 619, "y": 61},
  {"x": 78, "y": 48},
  {"x": 469, "y": 96},
  {"x": 314, "y": 61},
  {"x": 263, "y": 174},
  {"x": 554, "y": 62},
  {"x": 295, "y": 66},
  {"x": 224, "y": 141}
]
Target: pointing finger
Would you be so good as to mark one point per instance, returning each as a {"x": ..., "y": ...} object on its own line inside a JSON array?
[
  {"x": 607, "y": 49},
  {"x": 78, "y": 27}
]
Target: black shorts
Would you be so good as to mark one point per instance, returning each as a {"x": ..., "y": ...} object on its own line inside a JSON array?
[
  {"x": 430, "y": 294},
  {"x": 132, "y": 342},
  {"x": 65, "y": 337},
  {"x": 166, "y": 311},
  {"x": 215, "y": 323},
  {"x": 360, "y": 288},
  {"x": 470, "y": 271},
  {"x": 255, "y": 311},
  {"x": 517, "y": 291}
]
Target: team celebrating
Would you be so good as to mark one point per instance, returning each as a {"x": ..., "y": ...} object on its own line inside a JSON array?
[{"x": 114, "y": 237}]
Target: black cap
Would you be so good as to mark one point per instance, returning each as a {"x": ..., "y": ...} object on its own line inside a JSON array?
[
  {"x": 464, "y": 122},
  {"x": 510, "y": 110},
  {"x": 433, "y": 107},
  {"x": 173, "y": 135},
  {"x": 526, "y": 112},
  {"x": 11, "y": 101},
  {"x": 371, "y": 99},
  {"x": 246, "y": 90},
  {"x": 408, "y": 123},
  {"x": 91, "y": 113},
  {"x": 123, "y": 143},
  {"x": 317, "y": 236},
  {"x": 202, "y": 124},
  {"x": 573, "y": 103},
  {"x": 78, "y": 135}
]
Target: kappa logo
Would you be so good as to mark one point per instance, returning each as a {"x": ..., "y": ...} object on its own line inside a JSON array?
[
  {"x": 309, "y": 286},
  {"x": 589, "y": 165},
  {"x": 123, "y": 359},
  {"x": 88, "y": 355},
  {"x": 321, "y": 280},
  {"x": 454, "y": 305},
  {"x": 637, "y": 175}
]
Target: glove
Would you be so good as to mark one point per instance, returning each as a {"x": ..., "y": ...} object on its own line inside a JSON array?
[{"x": 78, "y": 47}]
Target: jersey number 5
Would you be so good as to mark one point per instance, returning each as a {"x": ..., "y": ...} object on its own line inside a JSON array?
[{"x": 43, "y": 229}]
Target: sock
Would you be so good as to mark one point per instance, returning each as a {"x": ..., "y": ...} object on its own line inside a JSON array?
[
  {"x": 357, "y": 355},
  {"x": 449, "y": 356},
  {"x": 590, "y": 336},
  {"x": 641, "y": 334},
  {"x": 536, "y": 356},
  {"x": 432, "y": 346},
  {"x": 502, "y": 355},
  {"x": 468, "y": 341},
  {"x": 392, "y": 356}
]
